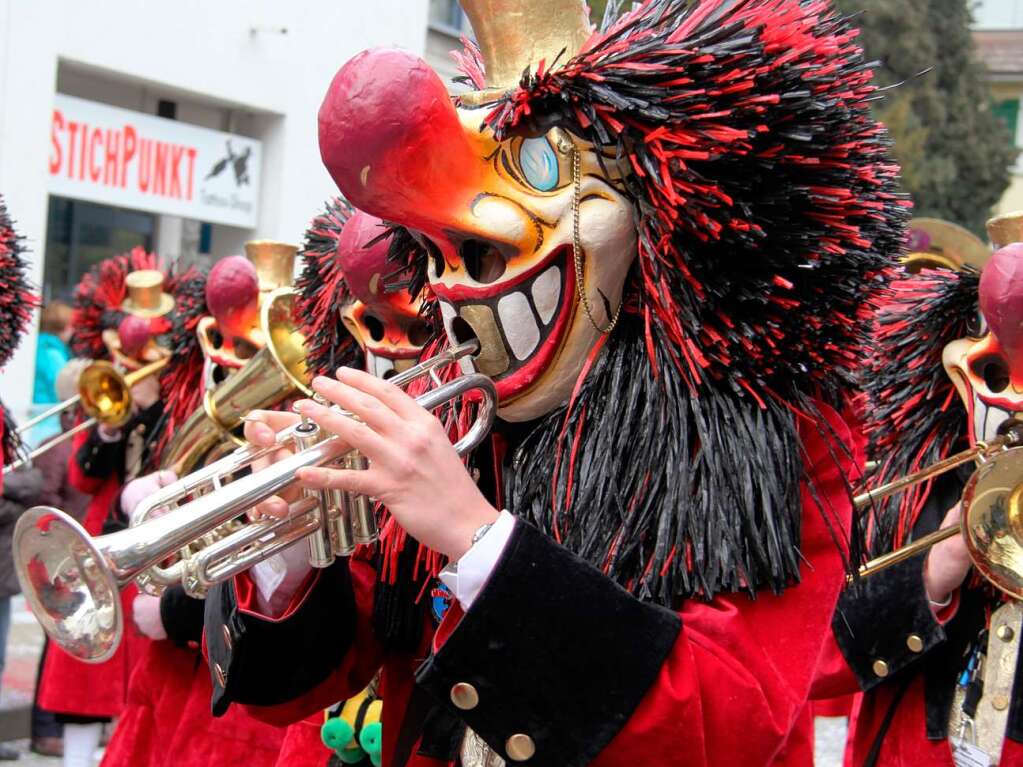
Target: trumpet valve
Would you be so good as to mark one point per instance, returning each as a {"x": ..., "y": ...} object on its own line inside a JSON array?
[{"x": 364, "y": 521}]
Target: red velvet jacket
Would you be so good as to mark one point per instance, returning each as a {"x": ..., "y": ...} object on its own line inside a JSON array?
[
  {"x": 887, "y": 641},
  {"x": 557, "y": 652}
]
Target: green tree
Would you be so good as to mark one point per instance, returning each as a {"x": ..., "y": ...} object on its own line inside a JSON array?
[{"x": 954, "y": 150}]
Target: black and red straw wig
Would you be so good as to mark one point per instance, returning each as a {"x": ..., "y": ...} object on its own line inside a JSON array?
[{"x": 17, "y": 302}]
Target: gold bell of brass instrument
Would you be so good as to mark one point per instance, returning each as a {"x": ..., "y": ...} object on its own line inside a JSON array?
[
  {"x": 275, "y": 373},
  {"x": 71, "y": 580},
  {"x": 104, "y": 393},
  {"x": 992, "y": 503}
]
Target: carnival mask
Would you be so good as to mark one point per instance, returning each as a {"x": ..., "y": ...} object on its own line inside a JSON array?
[
  {"x": 133, "y": 343},
  {"x": 386, "y": 323},
  {"x": 988, "y": 368},
  {"x": 529, "y": 239},
  {"x": 230, "y": 334},
  {"x": 235, "y": 292}
]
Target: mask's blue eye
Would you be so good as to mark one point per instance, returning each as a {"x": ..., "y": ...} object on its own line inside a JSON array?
[{"x": 539, "y": 164}]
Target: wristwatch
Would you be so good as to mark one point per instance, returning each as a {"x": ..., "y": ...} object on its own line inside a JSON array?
[{"x": 480, "y": 532}]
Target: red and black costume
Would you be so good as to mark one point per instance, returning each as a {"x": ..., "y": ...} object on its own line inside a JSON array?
[
  {"x": 166, "y": 720},
  {"x": 16, "y": 304},
  {"x": 908, "y": 655},
  {"x": 99, "y": 467},
  {"x": 675, "y": 563}
]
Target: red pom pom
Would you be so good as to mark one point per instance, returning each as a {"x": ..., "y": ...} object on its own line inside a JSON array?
[
  {"x": 134, "y": 334},
  {"x": 1001, "y": 296},
  {"x": 232, "y": 292}
]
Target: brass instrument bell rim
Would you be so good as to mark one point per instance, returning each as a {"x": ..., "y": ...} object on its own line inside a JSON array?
[
  {"x": 914, "y": 262},
  {"x": 90, "y": 378},
  {"x": 264, "y": 324},
  {"x": 29, "y": 522},
  {"x": 972, "y": 492}
]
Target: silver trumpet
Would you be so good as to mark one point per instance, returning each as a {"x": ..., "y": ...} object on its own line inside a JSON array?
[{"x": 71, "y": 580}]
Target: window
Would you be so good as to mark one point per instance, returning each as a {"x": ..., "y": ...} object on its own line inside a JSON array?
[
  {"x": 447, "y": 16},
  {"x": 1008, "y": 112},
  {"x": 81, "y": 234}
]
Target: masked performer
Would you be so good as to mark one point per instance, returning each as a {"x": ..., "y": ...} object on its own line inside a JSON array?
[
  {"x": 16, "y": 304},
  {"x": 217, "y": 343},
  {"x": 122, "y": 313},
  {"x": 663, "y": 235},
  {"x": 352, "y": 317},
  {"x": 937, "y": 651}
]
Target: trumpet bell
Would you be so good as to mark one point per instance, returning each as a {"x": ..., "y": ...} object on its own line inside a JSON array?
[
  {"x": 103, "y": 393},
  {"x": 993, "y": 521},
  {"x": 67, "y": 584}
]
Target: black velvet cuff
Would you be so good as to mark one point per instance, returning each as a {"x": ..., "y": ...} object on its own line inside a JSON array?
[
  {"x": 261, "y": 662},
  {"x": 884, "y": 623},
  {"x": 99, "y": 459},
  {"x": 552, "y": 657},
  {"x": 182, "y": 616}
]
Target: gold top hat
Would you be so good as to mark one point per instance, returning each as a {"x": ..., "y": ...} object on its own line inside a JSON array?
[
  {"x": 514, "y": 35},
  {"x": 1006, "y": 229},
  {"x": 950, "y": 247},
  {"x": 145, "y": 294},
  {"x": 274, "y": 262}
]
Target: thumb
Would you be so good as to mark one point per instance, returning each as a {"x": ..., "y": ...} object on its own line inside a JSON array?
[{"x": 166, "y": 477}]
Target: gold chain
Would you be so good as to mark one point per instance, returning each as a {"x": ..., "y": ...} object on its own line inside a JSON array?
[{"x": 577, "y": 248}]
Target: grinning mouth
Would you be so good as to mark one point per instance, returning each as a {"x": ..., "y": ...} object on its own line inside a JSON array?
[
  {"x": 986, "y": 418},
  {"x": 520, "y": 324}
]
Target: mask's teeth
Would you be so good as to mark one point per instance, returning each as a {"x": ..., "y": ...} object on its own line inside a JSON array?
[
  {"x": 546, "y": 293},
  {"x": 520, "y": 329},
  {"x": 979, "y": 417},
  {"x": 995, "y": 418},
  {"x": 447, "y": 313}
]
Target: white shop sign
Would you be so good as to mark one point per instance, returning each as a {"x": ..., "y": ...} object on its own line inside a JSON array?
[{"x": 134, "y": 160}]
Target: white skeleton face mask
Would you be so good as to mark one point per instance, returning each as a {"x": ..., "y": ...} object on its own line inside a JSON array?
[{"x": 530, "y": 239}]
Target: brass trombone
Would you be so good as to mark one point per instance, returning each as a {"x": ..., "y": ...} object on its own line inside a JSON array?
[
  {"x": 992, "y": 503},
  {"x": 71, "y": 580},
  {"x": 104, "y": 393}
]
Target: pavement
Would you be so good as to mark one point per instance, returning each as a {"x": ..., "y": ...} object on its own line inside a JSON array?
[
  {"x": 26, "y": 640},
  {"x": 18, "y": 687}
]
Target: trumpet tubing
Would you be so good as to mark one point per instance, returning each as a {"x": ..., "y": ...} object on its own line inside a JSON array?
[
  {"x": 992, "y": 513},
  {"x": 71, "y": 580}
]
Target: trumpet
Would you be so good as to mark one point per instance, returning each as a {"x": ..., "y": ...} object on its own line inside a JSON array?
[
  {"x": 71, "y": 580},
  {"x": 104, "y": 393},
  {"x": 992, "y": 503}
]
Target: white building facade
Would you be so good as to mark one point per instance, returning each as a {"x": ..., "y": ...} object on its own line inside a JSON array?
[{"x": 185, "y": 127}]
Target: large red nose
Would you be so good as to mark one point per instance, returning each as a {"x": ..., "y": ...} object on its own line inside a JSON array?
[
  {"x": 362, "y": 256},
  {"x": 1001, "y": 297},
  {"x": 391, "y": 139},
  {"x": 232, "y": 293}
]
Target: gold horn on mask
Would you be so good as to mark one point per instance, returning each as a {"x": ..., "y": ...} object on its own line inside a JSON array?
[
  {"x": 1006, "y": 229},
  {"x": 515, "y": 35},
  {"x": 274, "y": 262}
]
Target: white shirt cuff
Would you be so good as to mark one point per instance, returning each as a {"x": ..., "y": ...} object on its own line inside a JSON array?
[
  {"x": 279, "y": 577},
  {"x": 466, "y": 578}
]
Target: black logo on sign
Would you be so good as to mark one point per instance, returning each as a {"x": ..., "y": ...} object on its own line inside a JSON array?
[{"x": 239, "y": 163}]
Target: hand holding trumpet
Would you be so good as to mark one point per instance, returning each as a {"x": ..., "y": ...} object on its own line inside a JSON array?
[{"x": 414, "y": 470}]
